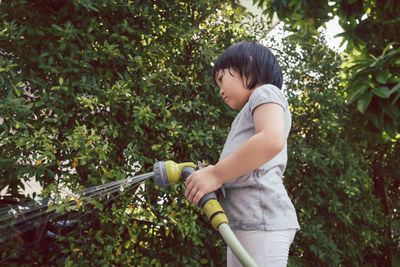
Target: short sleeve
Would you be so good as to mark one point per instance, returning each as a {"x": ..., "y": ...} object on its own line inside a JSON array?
[{"x": 267, "y": 93}]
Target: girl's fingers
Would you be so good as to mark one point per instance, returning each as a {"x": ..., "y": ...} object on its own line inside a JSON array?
[
  {"x": 188, "y": 180},
  {"x": 197, "y": 198},
  {"x": 189, "y": 186},
  {"x": 190, "y": 191},
  {"x": 192, "y": 194}
]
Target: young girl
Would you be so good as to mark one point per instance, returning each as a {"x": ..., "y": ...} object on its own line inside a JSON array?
[{"x": 254, "y": 157}]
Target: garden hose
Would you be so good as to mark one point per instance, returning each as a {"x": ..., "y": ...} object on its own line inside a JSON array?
[{"x": 167, "y": 173}]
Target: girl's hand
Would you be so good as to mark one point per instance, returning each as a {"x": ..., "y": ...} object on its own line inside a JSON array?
[{"x": 200, "y": 183}]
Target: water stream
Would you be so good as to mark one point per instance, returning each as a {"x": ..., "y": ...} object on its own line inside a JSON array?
[{"x": 20, "y": 218}]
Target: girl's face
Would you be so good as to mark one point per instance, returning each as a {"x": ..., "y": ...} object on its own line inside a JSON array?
[{"x": 232, "y": 88}]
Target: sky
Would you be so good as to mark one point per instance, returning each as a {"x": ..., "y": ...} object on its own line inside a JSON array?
[{"x": 332, "y": 27}]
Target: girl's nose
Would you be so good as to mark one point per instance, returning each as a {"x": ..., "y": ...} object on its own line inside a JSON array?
[{"x": 221, "y": 92}]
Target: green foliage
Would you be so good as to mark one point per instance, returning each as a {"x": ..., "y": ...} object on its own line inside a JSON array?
[
  {"x": 376, "y": 89},
  {"x": 371, "y": 30},
  {"x": 93, "y": 89},
  {"x": 327, "y": 176},
  {"x": 382, "y": 154}
]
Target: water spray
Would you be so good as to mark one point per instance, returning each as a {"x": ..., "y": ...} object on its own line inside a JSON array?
[
  {"x": 17, "y": 220},
  {"x": 167, "y": 173}
]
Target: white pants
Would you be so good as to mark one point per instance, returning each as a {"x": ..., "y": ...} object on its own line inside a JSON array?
[{"x": 267, "y": 248}]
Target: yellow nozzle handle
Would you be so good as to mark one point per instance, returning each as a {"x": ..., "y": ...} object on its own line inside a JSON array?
[
  {"x": 174, "y": 170},
  {"x": 208, "y": 202},
  {"x": 215, "y": 213}
]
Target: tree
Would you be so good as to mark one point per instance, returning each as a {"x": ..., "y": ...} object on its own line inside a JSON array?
[
  {"x": 371, "y": 30},
  {"x": 327, "y": 175}
]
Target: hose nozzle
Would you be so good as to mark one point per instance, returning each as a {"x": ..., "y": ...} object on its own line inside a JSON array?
[{"x": 167, "y": 173}]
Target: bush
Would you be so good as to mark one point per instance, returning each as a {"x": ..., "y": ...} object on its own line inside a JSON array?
[{"x": 96, "y": 89}]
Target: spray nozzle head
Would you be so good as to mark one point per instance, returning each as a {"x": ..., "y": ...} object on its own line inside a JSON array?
[{"x": 167, "y": 173}]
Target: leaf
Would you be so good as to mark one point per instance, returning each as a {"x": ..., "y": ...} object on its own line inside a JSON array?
[
  {"x": 382, "y": 76},
  {"x": 61, "y": 80},
  {"x": 115, "y": 133},
  {"x": 109, "y": 249},
  {"x": 173, "y": 220},
  {"x": 390, "y": 127},
  {"x": 396, "y": 98},
  {"x": 377, "y": 119},
  {"x": 297, "y": 16},
  {"x": 75, "y": 162},
  {"x": 395, "y": 88},
  {"x": 364, "y": 101},
  {"x": 356, "y": 88},
  {"x": 382, "y": 92},
  {"x": 98, "y": 205},
  {"x": 16, "y": 90}
]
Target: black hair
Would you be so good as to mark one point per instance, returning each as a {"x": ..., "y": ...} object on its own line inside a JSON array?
[{"x": 254, "y": 62}]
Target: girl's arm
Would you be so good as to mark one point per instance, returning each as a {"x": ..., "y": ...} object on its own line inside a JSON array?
[{"x": 269, "y": 140}]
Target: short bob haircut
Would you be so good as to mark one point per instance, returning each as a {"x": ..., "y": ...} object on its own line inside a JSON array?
[{"x": 254, "y": 62}]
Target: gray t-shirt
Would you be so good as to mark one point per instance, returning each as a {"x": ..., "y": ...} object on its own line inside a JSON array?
[{"x": 258, "y": 200}]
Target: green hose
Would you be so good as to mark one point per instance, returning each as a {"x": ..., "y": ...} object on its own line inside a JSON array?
[{"x": 236, "y": 247}]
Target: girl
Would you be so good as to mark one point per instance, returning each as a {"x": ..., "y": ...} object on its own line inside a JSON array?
[{"x": 254, "y": 156}]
